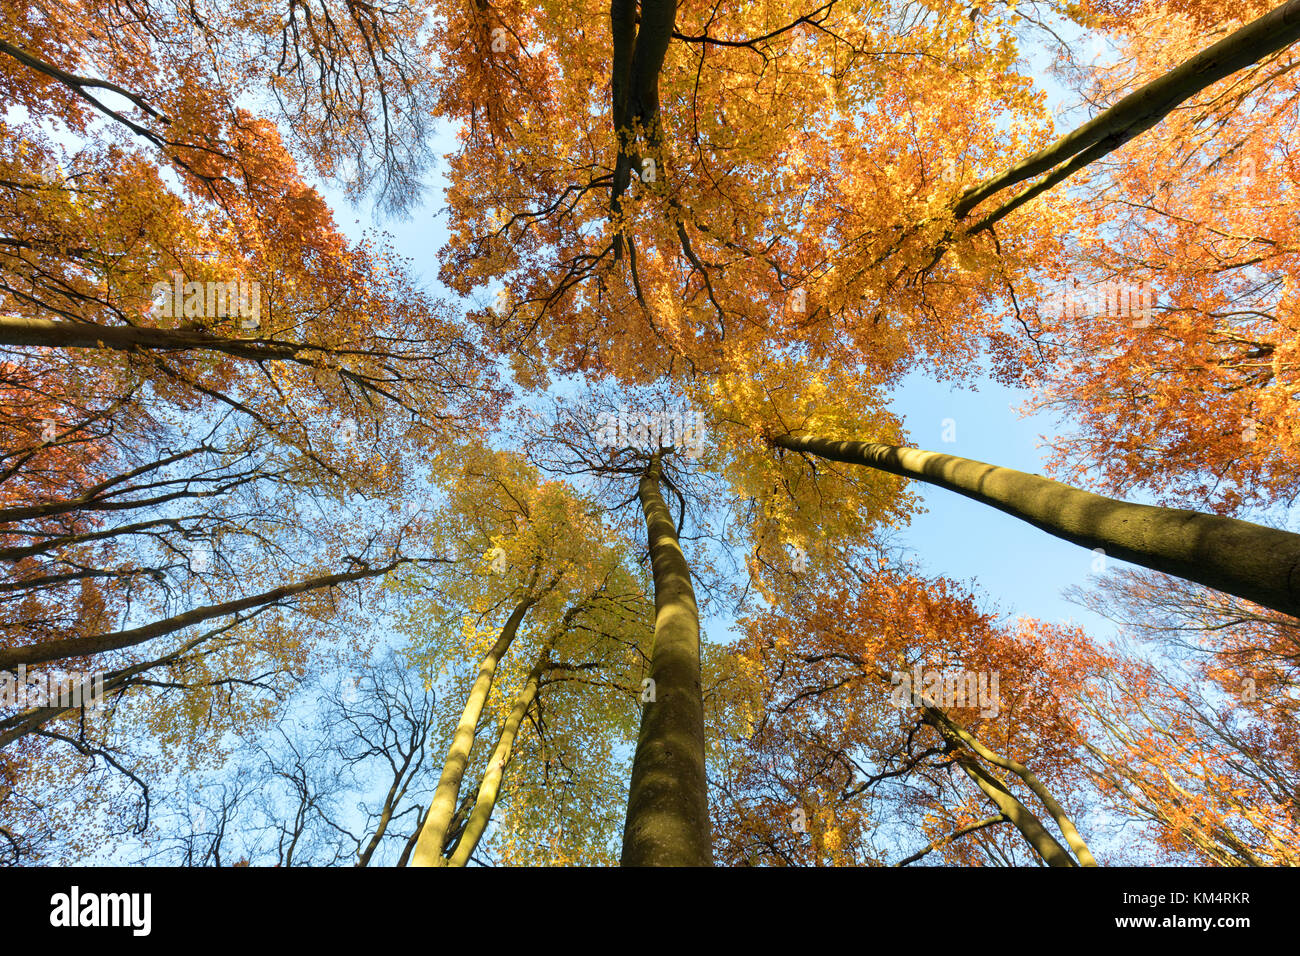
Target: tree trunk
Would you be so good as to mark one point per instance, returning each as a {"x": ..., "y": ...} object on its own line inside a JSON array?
[
  {"x": 428, "y": 849},
  {"x": 46, "y": 333},
  {"x": 1251, "y": 561},
  {"x": 47, "y": 651},
  {"x": 33, "y": 719},
  {"x": 1139, "y": 111},
  {"x": 667, "y": 809},
  {"x": 1030, "y": 827},
  {"x": 1066, "y": 825},
  {"x": 496, "y": 769}
]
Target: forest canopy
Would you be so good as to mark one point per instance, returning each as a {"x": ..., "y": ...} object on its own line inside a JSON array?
[{"x": 576, "y": 531}]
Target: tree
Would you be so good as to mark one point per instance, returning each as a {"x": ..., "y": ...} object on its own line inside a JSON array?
[
  {"x": 667, "y": 811},
  {"x": 553, "y": 569},
  {"x": 755, "y": 218},
  {"x": 1200, "y": 744},
  {"x": 203, "y": 381},
  {"x": 1249, "y": 560},
  {"x": 875, "y": 704},
  {"x": 337, "y": 783},
  {"x": 1189, "y": 398}
]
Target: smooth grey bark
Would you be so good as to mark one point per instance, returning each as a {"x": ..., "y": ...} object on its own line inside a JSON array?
[
  {"x": 1063, "y": 821},
  {"x": 1030, "y": 827},
  {"x": 485, "y": 799},
  {"x": 432, "y": 840},
  {"x": 1252, "y": 561},
  {"x": 668, "y": 809}
]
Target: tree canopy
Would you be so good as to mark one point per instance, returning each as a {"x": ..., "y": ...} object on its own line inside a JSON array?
[{"x": 576, "y": 536}]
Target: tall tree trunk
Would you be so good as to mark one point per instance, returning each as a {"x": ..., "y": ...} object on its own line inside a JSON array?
[
  {"x": 496, "y": 768},
  {"x": 1066, "y": 825},
  {"x": 46, "y": 333},
  {"x": 34, "y": 718},
  {"x": 428, "y": 849},
  {"x": 640, "y": 43},
  {"x": 667, "y": 808},
  {"x": 1030, "y": 827},
  {"x": 1249, "y": 560},
  {"x": 490, "y": 786}
]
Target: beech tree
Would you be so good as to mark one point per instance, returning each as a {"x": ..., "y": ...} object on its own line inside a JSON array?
[{"x": 241, "y": 453}]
